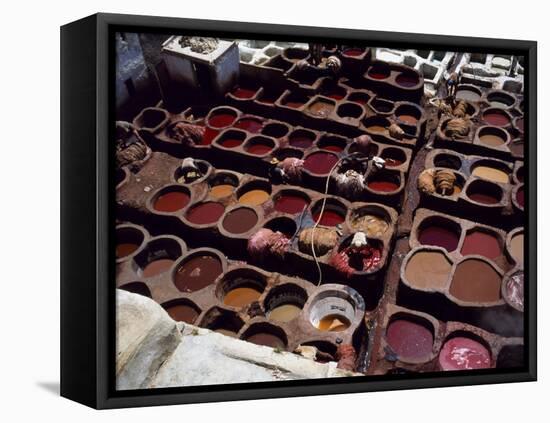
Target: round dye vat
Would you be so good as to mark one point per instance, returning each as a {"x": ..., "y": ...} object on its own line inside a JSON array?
[
  {"x": 378, "y": 72},
  {"x": 482, "y": 243},
  {"x": 491, "y": 140},
  {"x": 284, "y": 313},
  {"x": 382, "y": 185},
  {"x": 462, "y": 353},
  {"x": 222, "y": 190},
  {"x": 241, "y": 297},
  {"x": 321, "y": 108},
  {"x": 171, "y": 201},
  {"x": 483, "y": 198},
  {"x": 289, "y": 203},
  {"x": 209, "y": 135},
  {"x": 491, "y": 174},
  {"x": 205, "y": 213},
  {"x": 320, "y": 163},
  {"x": 333, "y": 323},
  {"x": 409, "y": 340},
  {"x": 125, "y": 249},
  {"x": 196, "y": 273},
  {"x": 520, "y": 197},
  {"x": 377, "y": 129},
  {"x": 372, "y": 225},
  {"x": 258, "y": 149},
  {"x": 251, "y": 125},
  {"x": 467, "y": 94},
  {"x": 240, "y": 220},
  {"x": 182, "y": 313},
  {"x": 300, "y": 140},
  {"x": 136, "y": 288},
  {"x": 266, "y": 339},
  {"x": 475, "y": 281},
  {"x": 439, "y": 236},
  {"x": 157, "y": 267},
  {"x": 254, "y": 197},
  {"x": 496, "y": 118},
  {"x": 516, "y": 248},
  {"x": 353, "y": 52},
  {"x": 244, "y": 93},
  {"x": 329, "y": 218},
  {"x": 513, "y": 290},
  {"x": 406, "y": 80},
  {"x": 230, "y": 142},
  {"x": 221, "y": 120},
  {"x": 410, "y": 119},
  {"x": 428, "y": 269},
  {"x": 294, "y": 104}
]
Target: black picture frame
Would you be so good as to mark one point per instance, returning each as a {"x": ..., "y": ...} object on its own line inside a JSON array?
[{"x": 87, "y": 250}]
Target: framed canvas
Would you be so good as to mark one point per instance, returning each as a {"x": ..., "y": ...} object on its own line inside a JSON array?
[{"x": 257, "y": 211}]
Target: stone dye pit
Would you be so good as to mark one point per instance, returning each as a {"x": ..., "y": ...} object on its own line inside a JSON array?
[{"x": 335, "y": 213}]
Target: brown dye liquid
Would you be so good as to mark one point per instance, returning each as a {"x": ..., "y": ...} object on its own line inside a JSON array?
[
  {"x": 378, "y": 129},
  {"x": 254, "y": 197},
  {"x": 221, "y": 191},
  {"x": 428, "y": 269},
  {"x": 321, "y": 108},
  {"x": 266, "y": 339},
  {"x": 226, "y": 332},
  {"x": 157, "y": 267},
  {"x": 411, "y": 120},
  {"x": 125, "y": 249},
  {"x": 241, "y": 297},
  {"x": 239, "y": 221},
  {"x": 491, "y": 174},
  {"x": 182, "y": 313},
  {"x": 197, "y": 273},
  {"x": 491, "y": 140},
  {"x": 516, "y": 247},
  {"x": 475, "y": 281},
  {"x": 171, "y": 201},
  {"x": 284, "y": 313},
  {"x": 483, "y": 198},
  {"x": 333, "y": 323},
  {"x": 205, "y": 213},
  {"x": 481, "y": 243}
]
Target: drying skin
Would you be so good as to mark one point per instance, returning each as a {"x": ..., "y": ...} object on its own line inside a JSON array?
[
  {"x": 350, "y": 184},
  {"x": 514, "y": 290},
  {"x": 354, "y": 259},
  {"x": 187, "y": 133},
  {"x": 373, "y": 226},
  {"x": 460, "y": 109},
  {"x": 441, "y": 181},
  {"x": 130, "y": 147},
  {"x": 426, "y": 181},
  {"x": 347, "y": 356},
  {"x": 266, "y": 243},
  {"x": 202, "y": 45},
  {"x": 457, "y": 128},
  {"x": 324, "y": 239},
  {"x": 396, "y": 132}
]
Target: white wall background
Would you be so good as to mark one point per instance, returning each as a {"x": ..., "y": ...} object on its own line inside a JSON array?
[{"x": 29, "y": 183}]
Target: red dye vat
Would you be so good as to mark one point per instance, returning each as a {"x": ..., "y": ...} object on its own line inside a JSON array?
[
  {"x": 481, "y": 243},
  {"x": 259, "y": 149},
  {"x": 406, "y": 80},
  {"x": 334, "y": 147},
  {"x": 382, "y": 185},
  {"x": 520, "y": 197},
  {"x": 329, "y": 218},
  {"x": 209, "y": 135},
  {"x": 320, "y": 163},
  {"x": 378, "y": 74},
  {"x": 462, "y": 353},
  {"x": 496, "y": 118},
  {"x": 300, "y": 141},
  {"x": 289, "y": 203},
  {"x": 483, "y": 198},
  {"x": 439, "y": 236},
  {"x": 393, "y": 162},
  {"x": 205, "y": 213},
  {"x": 244, "y": 93},
  {"x": 171, "y": 201},
  {"x": 221, "y": 120},
  {"x": 250, "y": 125},
  {"x": 353, "y": 52},
  {"x": 231, "y": 142},
  {"x": 409, "y": 340}
]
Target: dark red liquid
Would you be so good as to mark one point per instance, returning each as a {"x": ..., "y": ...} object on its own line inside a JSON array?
[
  {"x": 125, "y": 249},
  {"x": 329, "y": 218},
  {"x": 320, "y": 163},
  {"x": 292, "y": 204},
  {"x": 231, "y": 142},
  {"x": 483, "y": 198},
  {"x": 266, "y": 339},
  {"x": 205, "y": 213},
  {"x": 259, "y": 149},
  {"x": 157, "y": 267},
  {"x": 239, "y": 221},
  {"x": 171, "y": 201},
  {"x": 300, "y": 141},
  {"x": 209, "y": 135},
  {"x": 333, "y": 147},
  {"x": 481, "y": 243},
  {"x": 182, "y": 313},
  {"x": 406, "y": 80},
  {"x": 250, "y": 125},
  {"x": 376, "y": 74},
  {"x": 353, "y": 52},
  {"x": 520, "y": 197},
  {"x": 244, "y": 93},
  {"x": 393, "y": 162},
  {"x": 495, "y": 118},
  {"x": 294, "y": 104},
  {"x": 519, "y": 124},
  {"x": 383, "y": 186},
  {"x": 221, "y": 120},
  {"x": 409, "y": 340},
  {"x": 439, "y": 236},
  {"x": 196, "y": 273}
]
